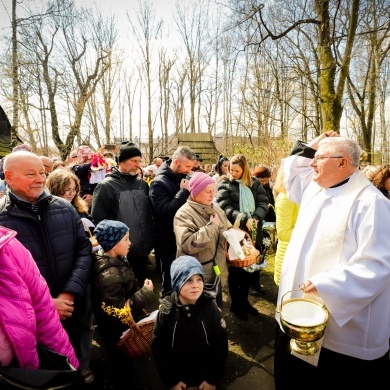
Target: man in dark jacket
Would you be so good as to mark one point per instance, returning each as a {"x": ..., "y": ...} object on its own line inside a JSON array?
[
  {"x": 169, "y": 190},
  {"x": 123, "y": 196},
  {"x": 51, "y": 229}
]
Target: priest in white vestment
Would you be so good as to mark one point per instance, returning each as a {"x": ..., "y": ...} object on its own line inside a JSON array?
[{"x": 340, "y": 251}]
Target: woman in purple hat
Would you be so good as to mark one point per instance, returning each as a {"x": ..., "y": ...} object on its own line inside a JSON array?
[{"x": 198, "y": 226}]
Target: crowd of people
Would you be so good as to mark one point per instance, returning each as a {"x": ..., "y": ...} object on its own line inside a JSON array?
[{"x": 90, "y": 223}]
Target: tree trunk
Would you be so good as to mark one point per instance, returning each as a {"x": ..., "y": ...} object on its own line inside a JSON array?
[{"x": 15, "y": 78}]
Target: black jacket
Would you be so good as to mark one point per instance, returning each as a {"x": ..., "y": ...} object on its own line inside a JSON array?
[
  {"x": 125, "y": 198},
  {"x": 166, "y": 197},
  {"x": 83, "y": 172},
  {"x": 270, "y": 217},
  {"x": 190, "y": 342},
  {"x": 228, "y": 198},
  {"x": 53, "y": 232},
  {"x": 113, "y": 282}
]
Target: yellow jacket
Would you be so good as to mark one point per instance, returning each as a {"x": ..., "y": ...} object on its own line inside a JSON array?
[{"x": 286, "y": 215}]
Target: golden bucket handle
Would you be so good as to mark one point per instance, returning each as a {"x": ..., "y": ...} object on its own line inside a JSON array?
[{"x": 300, "y": 288}]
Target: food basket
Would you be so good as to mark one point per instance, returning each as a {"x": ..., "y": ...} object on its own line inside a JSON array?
[
  {"x": 137, "y": 341},
  {"x": 249, "y": 259}
]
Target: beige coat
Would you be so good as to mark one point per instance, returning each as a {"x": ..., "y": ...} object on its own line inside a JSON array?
[{"x": 197, "y": 236}]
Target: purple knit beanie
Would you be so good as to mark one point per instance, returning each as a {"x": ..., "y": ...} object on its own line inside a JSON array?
[{"x": 199, "y": 180}]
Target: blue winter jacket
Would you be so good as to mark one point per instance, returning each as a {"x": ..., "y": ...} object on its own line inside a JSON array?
[{"x": 53, "y": 232}]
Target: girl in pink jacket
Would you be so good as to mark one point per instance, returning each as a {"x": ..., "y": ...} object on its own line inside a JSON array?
[{"x": 27, "y": 313}]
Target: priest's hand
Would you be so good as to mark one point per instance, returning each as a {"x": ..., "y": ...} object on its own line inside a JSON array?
[
  {"x": 314, "y": 143},
  {"x": 310, "y": 288}
]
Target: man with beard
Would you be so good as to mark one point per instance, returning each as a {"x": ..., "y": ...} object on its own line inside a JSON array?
[
  {"x": 123, "y": 196},
  {"x": 169, "y": 190}
]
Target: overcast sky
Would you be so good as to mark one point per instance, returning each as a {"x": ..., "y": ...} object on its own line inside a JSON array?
[{"x": 119, "y": 8}]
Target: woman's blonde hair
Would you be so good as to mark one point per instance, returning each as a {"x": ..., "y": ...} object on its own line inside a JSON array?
[
  {"x": 246, "y": 178},
  {"x": 279, "y": 183},
  {"x": 59, "y": 181}
]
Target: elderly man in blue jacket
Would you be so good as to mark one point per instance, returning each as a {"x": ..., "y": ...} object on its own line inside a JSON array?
[{"x": 51, "y": 229}]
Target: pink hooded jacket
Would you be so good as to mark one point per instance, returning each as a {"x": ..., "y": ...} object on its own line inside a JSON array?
[{"x": 27, "y": 312}]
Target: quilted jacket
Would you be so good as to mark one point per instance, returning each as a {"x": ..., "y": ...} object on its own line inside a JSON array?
[
  {"x": 53, "y": 232},
  {"x": 113, "y": 283},
  {"x": 228, "y": 198},
  {"x": 27, "y": 312}
]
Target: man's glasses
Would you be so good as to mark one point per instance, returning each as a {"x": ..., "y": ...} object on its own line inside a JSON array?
[
  {"x": 316, "y": 158},
  {"x": 70, "y": 191}
]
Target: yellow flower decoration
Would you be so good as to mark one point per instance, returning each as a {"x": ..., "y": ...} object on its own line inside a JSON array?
[{"x": 123, "y": 314}]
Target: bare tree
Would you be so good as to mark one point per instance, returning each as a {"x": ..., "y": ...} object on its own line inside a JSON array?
[
  {"x": 101, "y": 105},
  {"x": 193, "y": 25},
  {"x": 87, "y": 66},
  {"x": 130, "y": 93},
  {"x": 326, "y": 17},
  {"x": 15, "y": 77},
  {"x": 145, "y": 31},
  {"x": 364, "y": 82},
  {"x": 178, "y": 98},
  {"x": 165, "y": 68},
  {"x": 212, "y": 91}
]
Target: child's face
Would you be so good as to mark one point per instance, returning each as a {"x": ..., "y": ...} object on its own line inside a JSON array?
[
  {"x": 192, "y": 289},
  {"x": 122, "y": 248}
]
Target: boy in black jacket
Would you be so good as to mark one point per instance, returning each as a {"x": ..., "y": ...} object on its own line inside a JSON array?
[{"x": 190, "y": 342}]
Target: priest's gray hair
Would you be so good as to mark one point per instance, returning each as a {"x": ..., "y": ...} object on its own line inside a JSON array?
[{"x": 341, "y": 146}]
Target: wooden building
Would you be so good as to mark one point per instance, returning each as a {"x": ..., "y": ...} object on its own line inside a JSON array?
[{"x": 201, "y": 143}]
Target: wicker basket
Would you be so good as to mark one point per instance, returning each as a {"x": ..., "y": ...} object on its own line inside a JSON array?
[
  {"x": 249, "y": 259},
  {"x": 138, "y": 340}
]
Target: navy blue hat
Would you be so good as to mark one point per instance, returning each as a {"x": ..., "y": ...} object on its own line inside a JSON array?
[
  {"x": 182, "y": 269},
  {"x": 108, "y": 233}
]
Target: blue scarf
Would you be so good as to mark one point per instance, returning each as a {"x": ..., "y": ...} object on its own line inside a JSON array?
[{"x": 247, "y": 202}]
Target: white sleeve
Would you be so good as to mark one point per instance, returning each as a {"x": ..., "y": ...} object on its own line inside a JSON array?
[{"x": 298, "y": 174}]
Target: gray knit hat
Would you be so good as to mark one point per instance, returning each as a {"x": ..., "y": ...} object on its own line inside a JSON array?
[{"x": 182, "y": 269}]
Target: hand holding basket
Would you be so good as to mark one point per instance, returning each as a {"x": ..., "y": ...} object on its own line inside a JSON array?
[{"x": 251, "y": 256}]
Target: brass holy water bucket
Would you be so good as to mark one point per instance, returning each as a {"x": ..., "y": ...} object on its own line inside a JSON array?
[{"x": 304, "y": 321}]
